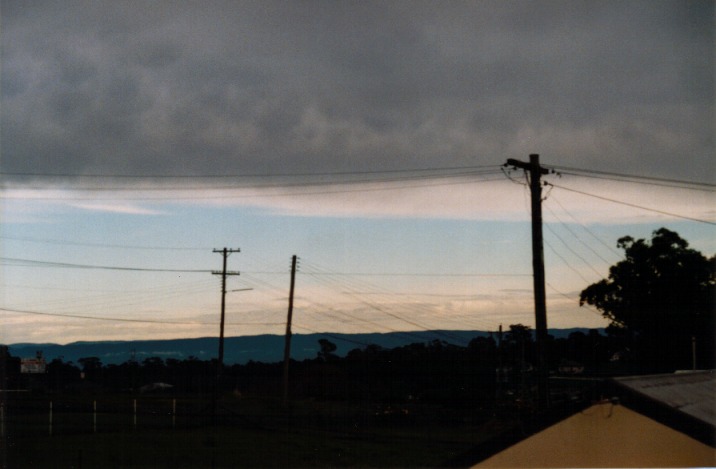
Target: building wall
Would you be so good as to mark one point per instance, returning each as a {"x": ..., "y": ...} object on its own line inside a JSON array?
[{"x": 606, "y": 435}]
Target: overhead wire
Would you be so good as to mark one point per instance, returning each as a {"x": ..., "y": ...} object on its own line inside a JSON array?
[
  {"x": 129, "y": 320},
  {"x": 633, "y": 178},
  {"x": 280, "y": 193},
  {"x": 385, "y": 309},
  {"x": 251, "y": 175},
  {"x": 575, "y": 253},
  {"x": 18, "y": 262},
  {"x": 334, "y": 283},
  {"x": 624, "y": 178},
  {"x": 102, "y": 318},
  {"x": 583, "y": 226},
  {"x": 588, "y": 307},
  {"x": 629, "y": 204},
  {"x": 264, "y": 181},
  {"x": 287, "y": 182},
  {"x": 576, "y": 236},
  {"x": 122, "y": 300},
  {"x": 567, "y": 264},
  {"x": 102, "y": 245},
  {"x": 322, "y": 311}
]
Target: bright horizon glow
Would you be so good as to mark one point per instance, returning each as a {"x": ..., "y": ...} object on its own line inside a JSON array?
[{"x": 469, "y": 281}]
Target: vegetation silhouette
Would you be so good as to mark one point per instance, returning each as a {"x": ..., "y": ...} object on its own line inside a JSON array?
[
  {"x": 463, "y": 381},
  {"x": 660, "y": 301}
]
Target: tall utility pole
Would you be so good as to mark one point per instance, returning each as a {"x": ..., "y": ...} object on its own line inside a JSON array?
[
  {"x": 225, "y": 253},
  {"x": 287, "y": 347},
  {"x": 535, "y": 172}
]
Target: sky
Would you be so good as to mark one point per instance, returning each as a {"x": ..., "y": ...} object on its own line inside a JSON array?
[{"x": 367, "y": 138}]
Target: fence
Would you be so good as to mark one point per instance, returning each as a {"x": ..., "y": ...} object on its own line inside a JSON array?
[{"x": 35, "y": 416}]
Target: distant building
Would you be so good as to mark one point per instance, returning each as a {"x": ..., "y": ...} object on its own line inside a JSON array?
[
  {"x": 33, "y": 365},
  {"x": 652, "y": 421},
  {"x": 568, "y": 367},
  {"x": 155, "y": 387}
]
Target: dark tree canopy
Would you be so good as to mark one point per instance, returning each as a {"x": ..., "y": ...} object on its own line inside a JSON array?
[
  {"x": 663, "y": 293},
  {"x": 327, "y": 349}
]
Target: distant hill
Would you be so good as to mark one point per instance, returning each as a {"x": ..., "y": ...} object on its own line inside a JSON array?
[{"x": 241, "y": 350}]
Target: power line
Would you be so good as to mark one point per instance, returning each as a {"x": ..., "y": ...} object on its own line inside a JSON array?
[
  {"x": 391, "y": 274},
  {"x": 35, "y": 263},
  {"x": 245, "y": 176},
  {"x": 386, "y": 311},
  {"x": 100, "y": 318},
  {"x": 356, "y": 286},
  {"x": 458, "y": 170},
  {"x": 613, "y": 176},
  {"x": 575, "y": 235},
  {"x": 106, "y": 301},
  {"x": 584, "y": 227},
  {"x": 554, "y": 251},
  {"x": 572, "y": 250},
  {"x": 589, "y": 308},
  {"x": 628, "y": 204},
  {"x": 145, "y": 321},
  {"x": 100, "y": 245},
  {"x": 264, "y": 195},
  {"x": 318, "y": 181}
]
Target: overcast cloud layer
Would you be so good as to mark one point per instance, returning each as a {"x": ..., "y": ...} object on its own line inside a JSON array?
[{"x": 152, "y": 88}]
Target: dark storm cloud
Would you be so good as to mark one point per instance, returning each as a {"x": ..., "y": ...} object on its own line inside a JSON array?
[{"x": 253, "y": 87}]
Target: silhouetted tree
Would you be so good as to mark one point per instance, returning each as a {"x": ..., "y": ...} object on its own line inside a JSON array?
[
  {"x": 327, "y": 349},
  {"x": 518, "y": 343},
  {"x": 91, "y": 367},
  {"x": 62, "y": 375},
  {"x": 662, "y": 295},
  {"x": 9, "y": 369},
  {"x": 153, "y": 370}
]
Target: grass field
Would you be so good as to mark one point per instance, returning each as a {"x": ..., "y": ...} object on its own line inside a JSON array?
[{"x": 245, "y": 432}]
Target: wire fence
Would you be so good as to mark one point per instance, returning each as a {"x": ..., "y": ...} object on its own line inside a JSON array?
[{"x": 30, "y": 416}]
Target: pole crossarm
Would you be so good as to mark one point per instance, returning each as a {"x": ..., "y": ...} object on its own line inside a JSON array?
[{"x": 527, "y": 166}]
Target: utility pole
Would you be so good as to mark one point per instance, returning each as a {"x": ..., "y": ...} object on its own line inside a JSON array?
[
  {"x": 535, "y": 172},
  {"x": 287, "y": 347},
  {"x": 225, "y": 253},
  {"x": 500, "y": 369}
]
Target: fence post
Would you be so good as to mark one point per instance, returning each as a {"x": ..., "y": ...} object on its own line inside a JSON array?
[
  {"x": 94, "y": 416},
  {"x": 134, "y": 404},
  {"x": 174, "y": 413},
  {"x": 50, "y": 423}
]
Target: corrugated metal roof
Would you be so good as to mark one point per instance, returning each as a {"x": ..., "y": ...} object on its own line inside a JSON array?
[{"x": 693, "y": 393}]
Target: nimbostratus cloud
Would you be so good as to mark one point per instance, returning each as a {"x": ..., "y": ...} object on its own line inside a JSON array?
[{"x": 265, "y": 87}]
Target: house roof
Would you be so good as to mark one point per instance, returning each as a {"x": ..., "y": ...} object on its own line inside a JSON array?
[
  {"x": 605, "y": 435},
  {"x": 693, "y": 393},
  {"x": 684, "y": 401}
]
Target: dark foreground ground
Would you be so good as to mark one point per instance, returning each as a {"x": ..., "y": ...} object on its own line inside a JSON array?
[{"x": 186, "y": 431}]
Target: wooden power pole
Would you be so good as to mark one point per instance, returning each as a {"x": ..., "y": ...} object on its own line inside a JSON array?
[
  {"x": 287, "y": 347},
  {"x": 225, "y": 253},
  {"x": 220, "y": 361},
  {"x": 535, "y": 172}
]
